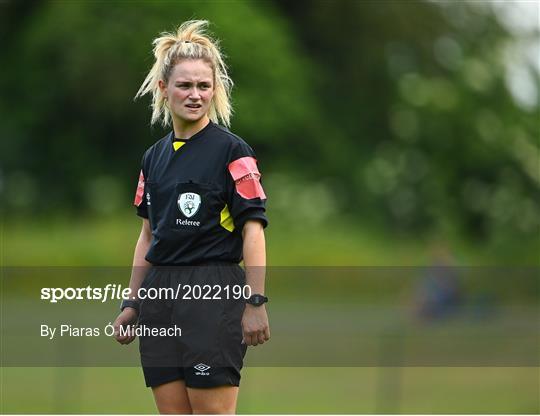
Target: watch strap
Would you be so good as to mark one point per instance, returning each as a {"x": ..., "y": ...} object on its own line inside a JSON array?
[
  {"x": 127, "y": 303},
  {"x": 257, "y": 299}
]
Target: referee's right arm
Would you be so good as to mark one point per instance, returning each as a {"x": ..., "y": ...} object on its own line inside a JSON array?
[
  {"x": 138, "y": 272},
  {"x": 140, "y": 265}
]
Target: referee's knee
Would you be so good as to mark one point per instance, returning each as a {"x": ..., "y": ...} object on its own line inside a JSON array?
[
  {"x": 174, "y": 410},
  {"x": 213, "y": 409}
]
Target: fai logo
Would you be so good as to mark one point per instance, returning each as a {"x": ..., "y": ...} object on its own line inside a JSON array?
[
  {"x": 189, "y": 203},
  {"x": 201, "y": 369}
]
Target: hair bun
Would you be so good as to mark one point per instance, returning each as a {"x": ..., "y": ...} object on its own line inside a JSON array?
[{"x": 169, "y": 49}]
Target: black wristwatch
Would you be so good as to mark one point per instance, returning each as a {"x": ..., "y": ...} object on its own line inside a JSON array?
[
  {"x": 257, "y": 300},
  {"x": 126, "y": 303}
]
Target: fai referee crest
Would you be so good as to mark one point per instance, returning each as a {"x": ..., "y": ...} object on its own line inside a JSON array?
[{"x": 189, "y": 203}]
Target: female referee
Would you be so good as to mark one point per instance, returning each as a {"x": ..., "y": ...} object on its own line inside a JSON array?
[{"x": 203, "y": 211}]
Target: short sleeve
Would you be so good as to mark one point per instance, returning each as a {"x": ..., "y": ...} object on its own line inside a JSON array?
[
  {"x": 247, "y": 199},
  {"x": 139, "y": 202}
]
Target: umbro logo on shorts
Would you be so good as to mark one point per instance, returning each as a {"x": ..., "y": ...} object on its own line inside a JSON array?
[{"x": 201, "y": 369}]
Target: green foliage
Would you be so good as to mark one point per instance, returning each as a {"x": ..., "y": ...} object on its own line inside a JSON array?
[
  {"x": 431, "y": 137},
  {"x": 78, "y": 66},
  {"x": 407, "y": 116}
]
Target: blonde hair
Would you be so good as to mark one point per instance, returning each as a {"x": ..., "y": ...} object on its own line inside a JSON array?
[{"x": 190, "y": 41}]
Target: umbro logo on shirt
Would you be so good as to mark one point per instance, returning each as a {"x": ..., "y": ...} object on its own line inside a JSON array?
[{"x": 201, "y": 369}]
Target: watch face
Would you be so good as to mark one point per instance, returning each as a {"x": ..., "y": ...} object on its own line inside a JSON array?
[{"x": 257, "y": 300}]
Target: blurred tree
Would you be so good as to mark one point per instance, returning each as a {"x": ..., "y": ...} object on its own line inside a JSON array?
[
  {"x": 408, "y": 114},
  {"x": 74, "y": 137},
  {"x": 431, "y": 136}
]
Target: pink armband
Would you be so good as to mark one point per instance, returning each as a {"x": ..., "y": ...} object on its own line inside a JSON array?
[
  {"x": 140, "y": 190},
  {"x": 246, "y": 177}
]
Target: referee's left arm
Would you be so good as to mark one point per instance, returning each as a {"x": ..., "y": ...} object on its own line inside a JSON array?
[{"x": 255, "y": 325}]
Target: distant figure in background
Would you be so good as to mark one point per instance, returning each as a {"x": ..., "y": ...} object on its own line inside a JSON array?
[{"x": 439, "y": 293}]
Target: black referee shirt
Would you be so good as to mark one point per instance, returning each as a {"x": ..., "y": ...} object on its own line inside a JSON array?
[{"x": 198, "y": 198}]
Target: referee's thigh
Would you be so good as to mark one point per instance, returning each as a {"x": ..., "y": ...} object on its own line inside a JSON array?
[
  {"x": 172, "y": 398},
  {"x": 213, "y": 400}
]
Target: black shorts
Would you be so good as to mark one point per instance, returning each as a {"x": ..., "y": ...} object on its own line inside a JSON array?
[{"x": 209, "y": 351}]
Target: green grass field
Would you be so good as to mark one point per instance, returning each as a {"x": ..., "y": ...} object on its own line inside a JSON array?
[
  {"x": 110, "y": 241},
  {"x": 286, "y": 390}
]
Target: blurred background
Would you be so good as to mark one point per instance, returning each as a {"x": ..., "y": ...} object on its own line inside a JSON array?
[{"x": 388, "y": 134}]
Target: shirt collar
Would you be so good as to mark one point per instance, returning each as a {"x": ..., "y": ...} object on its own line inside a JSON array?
[{"x": 178, "y": 143}]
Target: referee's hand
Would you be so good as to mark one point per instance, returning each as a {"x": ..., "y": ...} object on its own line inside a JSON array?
[
  {"x": 126, "y": 318},
  {"x": 255, "y": 326}
]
